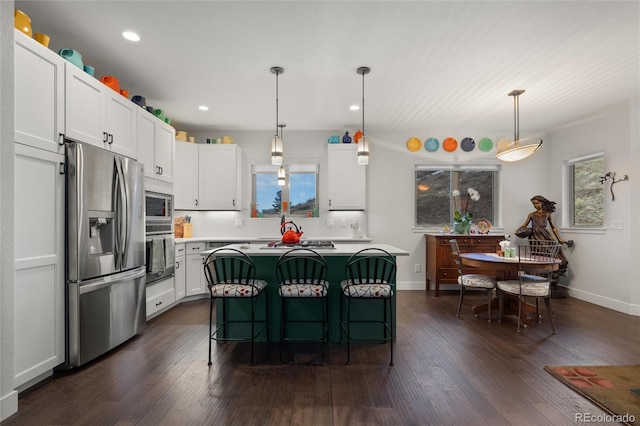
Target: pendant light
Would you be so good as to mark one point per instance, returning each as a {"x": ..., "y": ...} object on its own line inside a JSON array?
[
  {"x": 282, "y": 174},
  {"x": 276, "y": 142},
  {"x": 363, "y": 143},
  {"x": 519, "y": 148}
]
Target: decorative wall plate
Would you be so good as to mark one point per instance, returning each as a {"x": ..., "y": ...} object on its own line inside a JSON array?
[
  {"x": 414, "y": 144},
  {"x": 449, "y": 144},
  {"x": 485, "y": 144},
  {"x": 432, "y": 144},
  {"x": 467, "y": 144},
  {"x": 483, "y": 226}
]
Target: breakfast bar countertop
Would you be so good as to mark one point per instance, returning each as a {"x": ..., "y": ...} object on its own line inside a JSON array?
[
  {"x": 232, "y": 240},
  {"x": 346, "y": 249}
]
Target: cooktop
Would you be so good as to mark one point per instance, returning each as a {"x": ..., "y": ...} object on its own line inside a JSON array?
[{"x": 303, "y": 244}]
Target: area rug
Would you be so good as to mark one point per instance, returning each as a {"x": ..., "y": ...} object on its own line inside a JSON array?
[{"x": 615, "y": 389}]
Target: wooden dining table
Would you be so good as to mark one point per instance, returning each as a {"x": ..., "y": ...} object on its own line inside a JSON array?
[{"x": 505, "y": 269}]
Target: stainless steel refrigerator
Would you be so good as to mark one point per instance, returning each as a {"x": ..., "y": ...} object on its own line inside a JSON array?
[{"x": 105, "y": 251}]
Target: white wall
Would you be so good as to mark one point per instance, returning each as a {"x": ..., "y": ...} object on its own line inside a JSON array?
[
  {"x": 602, "y": 263},
  {"x": 8, "y": 397}
]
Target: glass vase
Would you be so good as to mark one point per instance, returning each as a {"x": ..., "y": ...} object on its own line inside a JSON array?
[{"x": 461, "y": 227}]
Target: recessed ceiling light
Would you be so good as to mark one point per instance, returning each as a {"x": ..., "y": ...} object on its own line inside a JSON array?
[
  {"x": 354, "y": 107},
  {"x": 131, "y": 36},
  {"x": 203, "y": 108}
]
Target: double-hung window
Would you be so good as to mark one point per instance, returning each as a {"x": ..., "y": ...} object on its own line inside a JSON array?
[
  {"x": 586, "y": 191},
  {"x": 296, "y": 198},
  {"x": 434, "y": 185}
]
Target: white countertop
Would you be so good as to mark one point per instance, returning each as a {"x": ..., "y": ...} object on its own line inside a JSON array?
[
  {"x": 232, "y": 240},
  {"x": 346, "y": 249}
]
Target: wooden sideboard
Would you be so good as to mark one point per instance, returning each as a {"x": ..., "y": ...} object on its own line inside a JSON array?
[{"x": 441, "y": 267}]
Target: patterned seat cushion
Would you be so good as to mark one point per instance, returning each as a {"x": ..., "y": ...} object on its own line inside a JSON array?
[
  {"x": 304, "y": 288},
  {"x": 533, "y": 289},
  {"x": 377, "y": 289},
  {"x": 477, "y": 280},
  {"x": 238, "y": 288}
]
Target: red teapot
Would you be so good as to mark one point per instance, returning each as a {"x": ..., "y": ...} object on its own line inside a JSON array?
[{"x": 289, "y": 236}]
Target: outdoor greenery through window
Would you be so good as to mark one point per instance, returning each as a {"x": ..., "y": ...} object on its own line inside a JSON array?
[
  {"x": 587, "y": 191},
  {"x": 435, "y": 205},
  {"x": 297, "y": 198}
]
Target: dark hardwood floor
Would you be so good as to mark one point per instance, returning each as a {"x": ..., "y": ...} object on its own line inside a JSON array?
[{"x": 448, "y": 371}]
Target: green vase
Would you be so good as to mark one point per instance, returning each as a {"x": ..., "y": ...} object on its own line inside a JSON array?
[{"x": 461, "y": 227}]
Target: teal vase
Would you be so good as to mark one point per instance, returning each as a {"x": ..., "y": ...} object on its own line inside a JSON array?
[{"x": 461, "y": 227}]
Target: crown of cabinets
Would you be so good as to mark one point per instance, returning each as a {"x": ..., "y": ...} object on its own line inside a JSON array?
[{"x": 207, "y": 176}]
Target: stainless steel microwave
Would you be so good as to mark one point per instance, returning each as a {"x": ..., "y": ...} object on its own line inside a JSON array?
[{"x": 159, "y": 213}]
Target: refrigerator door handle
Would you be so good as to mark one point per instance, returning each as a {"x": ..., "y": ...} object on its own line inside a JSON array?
[
  {"x": 102, "y": 282},
  {"x": 122, "y": 214}
]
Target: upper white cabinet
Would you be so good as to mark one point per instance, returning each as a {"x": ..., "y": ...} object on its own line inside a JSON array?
[
  {"x": 347, "y": 180},
  {"x": 97, "y": 114},
  {"x": 219, "y": 179},
  {"x": 39, "y": 302},
  {"x": 208, "y": 176},
  {"x": 186, "y": 176},
  {"x": 39, "y": 95},
  {"x": 155, "y": 146}
]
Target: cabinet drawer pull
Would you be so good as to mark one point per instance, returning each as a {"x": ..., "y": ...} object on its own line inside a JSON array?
[{"x": 159, "y": 303}]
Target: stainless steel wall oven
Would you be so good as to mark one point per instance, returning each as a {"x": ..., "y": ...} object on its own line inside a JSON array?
[{"x": 160, "y": 254}]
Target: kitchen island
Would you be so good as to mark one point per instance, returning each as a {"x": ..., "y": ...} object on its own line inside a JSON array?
[{"x": 265, "y": 258}]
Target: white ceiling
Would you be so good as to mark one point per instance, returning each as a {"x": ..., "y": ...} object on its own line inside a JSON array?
[{"x": 433, "y": 64}]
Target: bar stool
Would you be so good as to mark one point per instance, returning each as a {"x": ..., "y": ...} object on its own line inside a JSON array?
[
  {"x": 370, "y": 275},
  {"x": 230, "y": 274},
  {"x": 302, "y": 274}
]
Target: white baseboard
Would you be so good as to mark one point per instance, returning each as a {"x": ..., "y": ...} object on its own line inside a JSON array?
[
  {"x": 616, "y": 305},
  {"x": 8, "y": 405},
  {"x": 410, "y": 285}
]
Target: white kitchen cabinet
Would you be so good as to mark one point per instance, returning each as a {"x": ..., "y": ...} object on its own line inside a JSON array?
[
  {"x": 196, "y": 281},
  {"x": 155, "y": 146},
  {"x": 186, "y": 176},
  {"x": 160, "y": 295},
  {"x": 208, "y": 176},
  {"x": 39, "y": 94},
  {"x": 347, "y": 182},
  {"x": 181, "y": 271},
  {"x": 98, "y": 115},
  {"x": 219, "y": 177},
  {"x": 39, "y": 297}
]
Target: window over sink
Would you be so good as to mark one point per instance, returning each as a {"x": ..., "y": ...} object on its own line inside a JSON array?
[{"x": 296, "y": 198}]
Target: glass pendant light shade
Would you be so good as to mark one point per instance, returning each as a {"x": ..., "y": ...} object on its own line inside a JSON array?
[
  {"x": 363, "y": 143},
  {"x": 276, "y": 151},
  {"x": 281, "y": 176},
  {"x": 276, "y": 142},
  {"x": 363, "y": 151},
  {"x": 519, "y": 149}
]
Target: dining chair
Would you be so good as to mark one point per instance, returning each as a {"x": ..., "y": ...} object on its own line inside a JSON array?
[
  {"x": 534, "y": 277},
  {"x": 230, "y": 274},
  {"x": 473, "y": 281},
  {"x": 370, "y": 276},
  {"x": 302, "y": 274}
]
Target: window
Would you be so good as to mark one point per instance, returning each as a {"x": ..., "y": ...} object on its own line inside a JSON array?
[
  {"x": 434, "y": 204},
  {"x": 586, "y": 191},
  {"x": 298, "y": 197}
]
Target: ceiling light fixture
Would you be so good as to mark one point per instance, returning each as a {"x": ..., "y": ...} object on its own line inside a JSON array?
[
  {"x": 363, "y": 143},
  {"x": 131, "y": 36},
  {"x": 276, "y": 142},
  {"x": 282, "y": 174},
  {"x": 203, "y": 108},
  {"x": 520, "y": 148}
]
